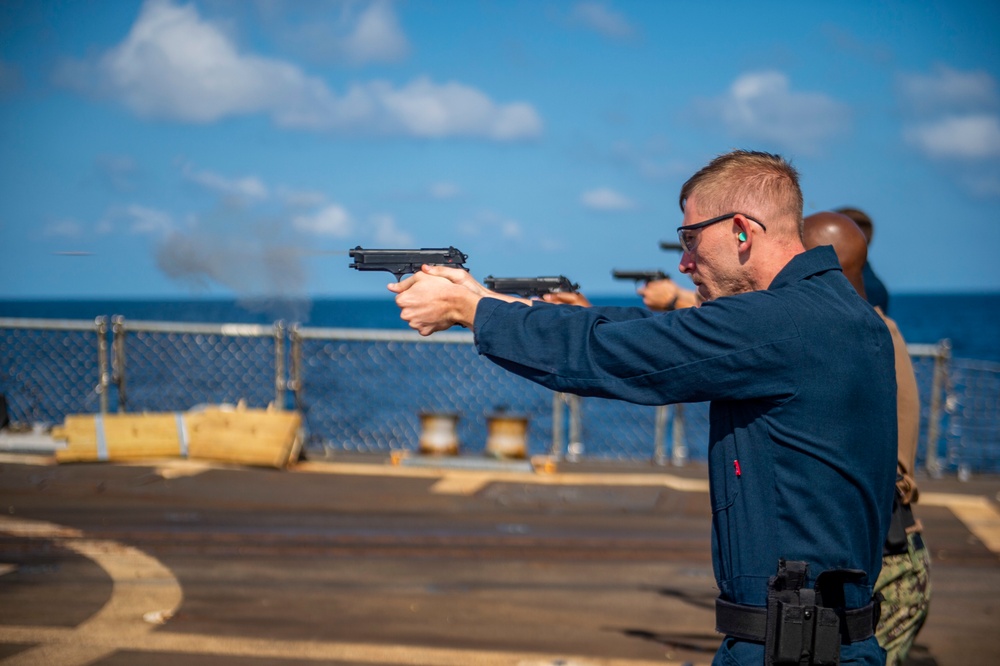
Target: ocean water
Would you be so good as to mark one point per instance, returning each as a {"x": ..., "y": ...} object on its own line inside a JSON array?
[{"x": 970, "y": 321}]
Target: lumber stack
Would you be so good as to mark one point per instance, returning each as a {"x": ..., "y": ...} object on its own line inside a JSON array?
[{"x": 268, "y": 438}]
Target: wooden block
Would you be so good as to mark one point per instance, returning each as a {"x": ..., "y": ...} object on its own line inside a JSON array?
[
  {"x": 253, "y": 437},
  {"x": 125, "y": 437}
]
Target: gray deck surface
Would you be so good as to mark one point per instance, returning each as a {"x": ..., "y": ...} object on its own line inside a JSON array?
[{"x": 358, "y": 561}]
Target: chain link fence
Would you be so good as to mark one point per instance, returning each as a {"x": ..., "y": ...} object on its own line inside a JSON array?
[
  {"x": 50, "y": 368},
  {"x": 363, "y": 390},
  {"x": 173, "y": 366},
  {"x": 972, "y": 425}
]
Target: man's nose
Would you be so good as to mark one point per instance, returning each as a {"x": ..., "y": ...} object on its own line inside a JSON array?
[{"x": 687, "y": 263}]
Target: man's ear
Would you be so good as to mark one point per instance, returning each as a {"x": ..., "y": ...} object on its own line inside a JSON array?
[{"x": 743, "y": 229}]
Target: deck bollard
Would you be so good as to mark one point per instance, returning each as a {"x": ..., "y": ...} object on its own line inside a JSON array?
[
  {"x": 439, "y": 433},
  {"x": 507, "y": 435}
]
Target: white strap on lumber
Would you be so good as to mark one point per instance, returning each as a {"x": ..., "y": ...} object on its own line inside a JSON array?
[
  {"x": 182, "y": 434},
  {"x": 102, "y": 440}
]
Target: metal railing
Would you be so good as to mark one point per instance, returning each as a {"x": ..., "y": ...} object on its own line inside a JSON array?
[
  {"x": 172, "y": 366},
  {"x": 363, "y": 389}
]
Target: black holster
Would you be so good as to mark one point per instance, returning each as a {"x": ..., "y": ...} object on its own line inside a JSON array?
[
  {"x": 801, "y": 626},
  {"x": 800, "y": 631},
  {"x": 902, "y": 518}
]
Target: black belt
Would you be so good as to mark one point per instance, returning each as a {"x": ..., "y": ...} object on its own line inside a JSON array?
[{"x": 750, "y": 622}]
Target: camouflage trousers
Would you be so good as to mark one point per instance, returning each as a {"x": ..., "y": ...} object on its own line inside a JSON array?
[{"x": 906, "y": 590}]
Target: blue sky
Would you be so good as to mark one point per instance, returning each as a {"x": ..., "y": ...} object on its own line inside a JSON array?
[{"x": 234, "y": 147}]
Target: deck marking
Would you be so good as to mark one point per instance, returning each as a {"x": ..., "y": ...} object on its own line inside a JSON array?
[
  {"x": 144, "y": 588},
  {"x": 466, "y": 482},
  {"x": 977, "y": 513}
]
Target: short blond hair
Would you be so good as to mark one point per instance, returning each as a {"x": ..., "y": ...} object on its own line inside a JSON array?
[{"x": 749, "y": 182}]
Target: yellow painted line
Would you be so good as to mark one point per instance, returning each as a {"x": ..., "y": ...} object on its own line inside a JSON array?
[
  {"x": 317, "y": 651},
  {"x": 369, "y": 469},
  {"x": 460, "y": 485},
  {"x": 459, "y": 481},
  {"x": 977, "y": 513}
]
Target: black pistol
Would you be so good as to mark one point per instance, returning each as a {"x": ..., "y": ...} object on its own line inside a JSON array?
[
  {"x": 668, "y": 246},
  {"x": 402, "y": 262},
  {"x": 639, "y": 276},
  {"x": 528, "y": 287}
]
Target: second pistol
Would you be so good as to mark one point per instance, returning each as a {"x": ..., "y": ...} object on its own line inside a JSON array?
[
  {"x": 639, "y": 276},
  {"x": 531, "y": 286}
]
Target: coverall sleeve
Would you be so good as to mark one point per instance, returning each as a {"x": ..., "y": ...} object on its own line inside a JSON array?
[{"x": 708, "y": 353}]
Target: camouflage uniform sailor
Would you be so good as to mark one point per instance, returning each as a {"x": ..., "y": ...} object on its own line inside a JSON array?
[{"x": 905, "y": 578}]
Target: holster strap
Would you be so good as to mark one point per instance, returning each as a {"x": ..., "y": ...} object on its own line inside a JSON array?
[
  {"x": 750, "y": 622},
  {"x": 902, "y": 518}
]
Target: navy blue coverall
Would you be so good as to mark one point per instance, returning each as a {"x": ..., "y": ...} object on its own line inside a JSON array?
[{"x": 801, "y": 379}]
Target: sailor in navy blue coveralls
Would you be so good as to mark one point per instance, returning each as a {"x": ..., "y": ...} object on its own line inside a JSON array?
[
  {"x": 800, "y": 372},
  {"x": 802, "y": 386}
]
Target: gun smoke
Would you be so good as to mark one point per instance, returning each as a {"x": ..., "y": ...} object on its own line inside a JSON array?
[{"x": 266, "y": 277}]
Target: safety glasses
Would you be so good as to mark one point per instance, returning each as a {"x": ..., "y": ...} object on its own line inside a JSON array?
[{"x": 685, "y": 234}]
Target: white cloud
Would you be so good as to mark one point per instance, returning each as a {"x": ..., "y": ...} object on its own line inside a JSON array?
[
  {"x": 387, "y": 233},
  {"x": 301, "y": 198},
  {"x": 606, "y": 199},
  {"x": 332, "y": 220},
  {"x": 984, "y": 185},
  {"x": 947, "y": 90},
  {"x": 491, "y": 224},
  {"x": 511, "y": 230},
  {"x": 951, "y": 115},
  {"x": 426, "y": 109},
  {"x": 64, "y": 229},
  {"x": 444, "y": 190},
  {"x": 118, "y": 171},
  {"x": 137, "y": 220},
  {"x": 652, "y": 160},
  {"x": 376, "y": 36},
  {"x": 761, "y": 106},
  {"x": 598, "y": 17},
  {"x": 246, "y": 189},
  {"x": 176, "y": 66},
  {"x": 962, "y": 137},
  {"x": 337, "y": 32}
]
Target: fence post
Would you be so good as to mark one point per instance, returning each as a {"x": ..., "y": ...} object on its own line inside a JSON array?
[
  {"x": 118, "y": 358},
  {"x": 942, "y": 360},
  {"x": 660, "y": 435},
  {"x": 679, "y": 456},
  {"x": 558, "y": 403},
  {"x": 295, "y": 383},
  {"x": 104, "y": 379},
  {"x": 279, "y": 365},
  {"x": 575, "y": 445}
]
